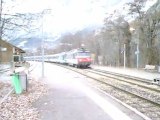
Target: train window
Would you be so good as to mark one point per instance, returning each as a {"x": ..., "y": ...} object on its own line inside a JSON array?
[
  {"x": 64, "y": 56},
  {"x": 74, "y": 55},
  {"x": 83, "y": 54}
]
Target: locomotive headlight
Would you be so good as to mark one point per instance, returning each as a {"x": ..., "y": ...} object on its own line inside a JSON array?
[{"x": 80, "y": 60}]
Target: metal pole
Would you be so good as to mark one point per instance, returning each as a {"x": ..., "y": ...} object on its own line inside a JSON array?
[
  {"x": 138, "y": 49},
  {"x": 42, "y": 59},
  {"x": 42, "y": 51},
  {"x": 119, "y": 52},
  {"x": 124, "y": 55},
  {"x": 137, "y": 55},
  {"x": 44, "y": 12}
]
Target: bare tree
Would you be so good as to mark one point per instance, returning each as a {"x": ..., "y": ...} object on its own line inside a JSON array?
[
  {"x": 146, "y": 29},
  {"x": 152, "y": 22},
  {"x": 117, "y": 34},
  {"x": 15, "y": 22}
]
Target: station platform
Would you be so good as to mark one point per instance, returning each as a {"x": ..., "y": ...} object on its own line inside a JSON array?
[
  {"x": 70, "y": 97},
  {"x": 140, "y": 73}
]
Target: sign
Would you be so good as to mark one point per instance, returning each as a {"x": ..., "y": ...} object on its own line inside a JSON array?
[
  {"x": 122, "y": 51},
  {"x": 3, "y": 49},
  {"x": 137, "y": 52}
]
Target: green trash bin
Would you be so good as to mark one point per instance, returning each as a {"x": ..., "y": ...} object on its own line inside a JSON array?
[{"x": 17, "y": 83}]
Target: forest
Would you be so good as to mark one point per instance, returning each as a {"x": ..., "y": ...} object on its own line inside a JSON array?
[
  {"x": 130, "y": 37},
  {"x": 136, "y": 40}
]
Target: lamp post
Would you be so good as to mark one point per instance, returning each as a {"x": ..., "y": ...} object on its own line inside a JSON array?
[
  {"x": 137, "y": 47},
  {"x": 137, "y": 53},
  {"x": 124, "y": 53},
  {"x": 46, "y": 11}
]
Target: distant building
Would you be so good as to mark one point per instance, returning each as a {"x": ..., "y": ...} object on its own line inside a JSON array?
[{"x": 10, "y": 53}]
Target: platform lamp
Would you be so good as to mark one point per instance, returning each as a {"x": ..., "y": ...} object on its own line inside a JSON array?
[{"x": 46, "y": 11}]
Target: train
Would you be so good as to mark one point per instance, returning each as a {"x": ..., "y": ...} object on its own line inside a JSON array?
[{"x": 80, "y": 58}]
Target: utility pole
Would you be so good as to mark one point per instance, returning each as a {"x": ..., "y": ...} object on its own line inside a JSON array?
[
  {"x": 124, "y": 55},
  {"x": 42, "y": 57},
  {"x": 138, "y": 50},
  {"x": 137, "y": 54},
  {"x": 46, "y": 11}
]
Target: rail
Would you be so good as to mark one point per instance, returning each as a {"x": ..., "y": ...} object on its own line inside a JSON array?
[
  {"x": 132, "y": 91},
  {"x": 4, "y": 70}
]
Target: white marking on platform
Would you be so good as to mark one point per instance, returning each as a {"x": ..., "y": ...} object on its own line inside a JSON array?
[{"x": 109, "y": 108}]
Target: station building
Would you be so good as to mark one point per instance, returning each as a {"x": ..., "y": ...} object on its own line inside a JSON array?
[{"x": 10, "y": 53}]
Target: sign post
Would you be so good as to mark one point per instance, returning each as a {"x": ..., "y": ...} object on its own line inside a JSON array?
[{"x": 124, "y": 55}]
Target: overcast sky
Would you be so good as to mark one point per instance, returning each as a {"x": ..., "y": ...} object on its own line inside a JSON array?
[{"x": 69, "y": 15}]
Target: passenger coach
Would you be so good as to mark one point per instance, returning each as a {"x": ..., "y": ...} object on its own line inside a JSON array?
[{"x": 76, "y": 58}]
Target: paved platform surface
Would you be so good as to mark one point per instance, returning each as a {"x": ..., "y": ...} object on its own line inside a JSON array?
[{"x": 70, "y": 98}]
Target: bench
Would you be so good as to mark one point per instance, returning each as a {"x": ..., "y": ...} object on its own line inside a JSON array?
[
  {"x": 156, "y": 81},
  {"x": 150, "y": 67}
]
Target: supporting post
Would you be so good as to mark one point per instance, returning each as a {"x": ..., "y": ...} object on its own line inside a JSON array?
[
  {"x": 46, "y": 11},
  {"x": 137, "y": 56},
  {"x": 124, "y": 55},
  {"x": 42, "y": 47},
  {"x": 42, "y": 59}
]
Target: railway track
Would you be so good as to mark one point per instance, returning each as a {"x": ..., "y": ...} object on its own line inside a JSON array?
[
  {"x": 138, "y": 93},
  {"x": 142, "y": 83},
  {"x": 108, "y": 73},
  {"x": 4, "y": 70}
]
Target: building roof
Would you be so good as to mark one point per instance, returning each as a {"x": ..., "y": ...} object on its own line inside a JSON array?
[{"x": 17, "y": 48}]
